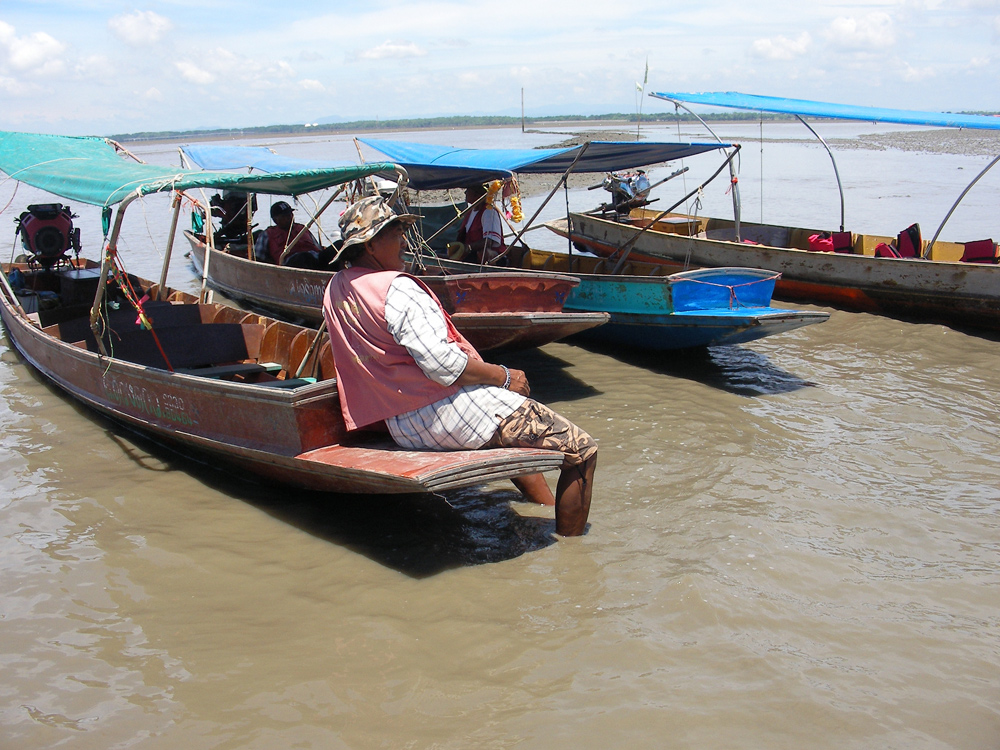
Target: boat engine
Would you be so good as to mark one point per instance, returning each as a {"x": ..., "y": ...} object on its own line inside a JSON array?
[
  {"x": 629, "y": 190},
  {"x": 47, "y": 233}
]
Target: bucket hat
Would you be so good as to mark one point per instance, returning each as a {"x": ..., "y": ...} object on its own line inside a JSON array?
[{"x": 366, "y": 218}]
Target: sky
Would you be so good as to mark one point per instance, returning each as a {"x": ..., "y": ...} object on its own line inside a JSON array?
[{"x": 96, "y": 67}]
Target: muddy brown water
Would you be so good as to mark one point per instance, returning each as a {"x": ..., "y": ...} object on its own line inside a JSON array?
[{"x": 794, "y": 543}]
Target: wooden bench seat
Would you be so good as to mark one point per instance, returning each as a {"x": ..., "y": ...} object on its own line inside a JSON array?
[{"x": 186, "y": 347}]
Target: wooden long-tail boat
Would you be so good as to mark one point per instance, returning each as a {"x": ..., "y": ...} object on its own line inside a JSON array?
[
  {"x": 240, "y": 390},
  {"x": 939, "y": 287},
  {"x": 952, "y": 282},
  {"x": 507, "y": 310}
]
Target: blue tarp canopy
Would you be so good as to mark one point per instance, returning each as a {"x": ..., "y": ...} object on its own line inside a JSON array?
[
  {"x": 91, "y": 170},
  {"x": 259, "y": 158},
  {"x": 736, "y": 100},
  {"x": 438, "y": 167}
]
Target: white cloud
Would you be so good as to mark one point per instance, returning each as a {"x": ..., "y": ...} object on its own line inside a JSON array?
[
  {"x": 913, "y": 75},
  {"x": 153, "y": 94},
  {"x": 94, "y": 66},
  {"x": 392, "y": 49},
  {"x": 873, "y": 31},
  {"x": 141, "y": 27},
  {"x": 308, "y": 84},
  {"x": 37, "y": 54},
  {"x": 13, "y": 86},
  {"x": 191, "y": 72},
  {"x": 782, "y": 48}
]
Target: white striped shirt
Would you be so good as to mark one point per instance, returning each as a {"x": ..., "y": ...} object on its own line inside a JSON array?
[{"x": 468, "y": 418}]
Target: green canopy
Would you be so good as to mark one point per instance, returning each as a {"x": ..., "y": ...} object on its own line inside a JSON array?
[{"x": 90, "y": 170}]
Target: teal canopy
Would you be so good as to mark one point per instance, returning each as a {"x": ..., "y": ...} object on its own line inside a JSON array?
[
  {"x": 803, "y": 107},
  {"x": 90, "y": 170}
]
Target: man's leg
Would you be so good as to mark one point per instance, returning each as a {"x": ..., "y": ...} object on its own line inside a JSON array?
[
  {"x": 535, "y": 425},
  {"x": 535, "y": 488},
  {"x": 573, "y": 497}
]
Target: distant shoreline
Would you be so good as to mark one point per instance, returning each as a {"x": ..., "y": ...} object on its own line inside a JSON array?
[
  {"x": 459, "y": 122},
  {"x": 429, "y": 124},
  {"x": 941, "y": 140}
]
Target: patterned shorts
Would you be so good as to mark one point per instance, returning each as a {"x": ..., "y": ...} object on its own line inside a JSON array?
[{"x": 535, "y": 425}]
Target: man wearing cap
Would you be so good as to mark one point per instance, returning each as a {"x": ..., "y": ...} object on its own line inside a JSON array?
[
  {"x": 276, "y": 238},
  {"x": 400, "y": 360}
]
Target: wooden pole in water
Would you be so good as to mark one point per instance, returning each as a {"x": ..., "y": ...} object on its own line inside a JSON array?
[{"x": 522, "y": 109}]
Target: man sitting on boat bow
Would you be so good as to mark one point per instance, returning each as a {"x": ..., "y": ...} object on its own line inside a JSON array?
[
  {"x": 482, "y": 229},
  {"x": 400, "y": 360},
  {"x": 275, "y": 244}
]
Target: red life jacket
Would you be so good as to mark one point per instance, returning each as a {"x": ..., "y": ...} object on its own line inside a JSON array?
[{"x": 474, "y": 232}]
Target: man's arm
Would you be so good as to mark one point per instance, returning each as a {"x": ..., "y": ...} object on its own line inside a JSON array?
[
  {"x": 417, "y": 323},
  {"x": 484, "y": 373}
]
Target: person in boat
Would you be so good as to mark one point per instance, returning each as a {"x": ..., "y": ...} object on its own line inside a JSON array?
[
  {"x": 272, "y": 244},
  {"x": 399, "y": 360},
  {"x": 231, "y": 210},
  {"x": 482, "y": 229}
]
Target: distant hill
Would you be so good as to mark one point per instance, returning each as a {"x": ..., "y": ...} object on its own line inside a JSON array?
[
  {"x": 418, "y": 123},
  {"x": 464, "y": 121}
]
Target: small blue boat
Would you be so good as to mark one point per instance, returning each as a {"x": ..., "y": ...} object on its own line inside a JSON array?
[{"x": 704, "y": 307}]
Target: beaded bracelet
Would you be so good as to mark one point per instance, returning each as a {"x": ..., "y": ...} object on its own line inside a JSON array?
[{"x": 506, "y": 382}]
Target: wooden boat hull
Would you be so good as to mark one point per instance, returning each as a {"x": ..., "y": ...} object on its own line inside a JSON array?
[
  {"x": 962, "y": 293},
  {"x": 293, "y": 435},
  {"x": 684, "y": 310},
  {"x": 513, "y": 310}
]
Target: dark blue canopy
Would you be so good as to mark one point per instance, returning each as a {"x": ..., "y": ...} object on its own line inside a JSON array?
[
  {"x": 736, "y": 100},
  {"x": 438, "y": 167}
]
